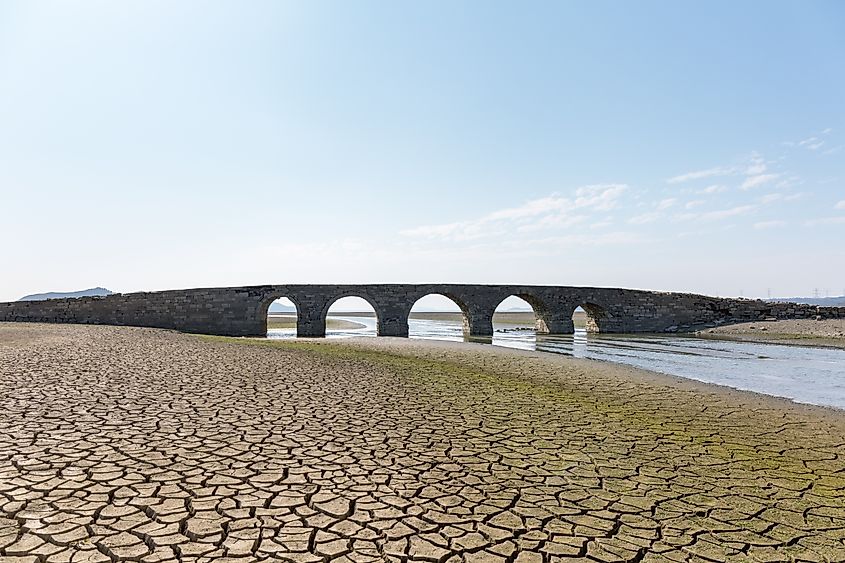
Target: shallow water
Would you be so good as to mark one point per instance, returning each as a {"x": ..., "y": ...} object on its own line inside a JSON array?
[{"x": 801, "y": 373}]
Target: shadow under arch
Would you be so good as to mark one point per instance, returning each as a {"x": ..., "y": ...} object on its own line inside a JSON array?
[
  {"x": 264, "y": 310},
  {"x": 543, "y": 320},
  {"x": 597, "y": 317},
  {"x": 461, "y": 304}
]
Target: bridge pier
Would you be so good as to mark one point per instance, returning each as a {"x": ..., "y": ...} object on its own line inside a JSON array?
[
  {"x": 478, "y": 323},
  {"x": 310, "y": 327},
  {"x": 554, "y": 323},
  {"x": 392, "y": 322}
]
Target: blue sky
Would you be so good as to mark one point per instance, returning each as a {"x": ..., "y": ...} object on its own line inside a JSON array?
[{"x": 662, "y": 145}]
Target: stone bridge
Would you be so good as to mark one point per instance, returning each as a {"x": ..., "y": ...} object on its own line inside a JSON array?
[{"x": 242, "y": 311}]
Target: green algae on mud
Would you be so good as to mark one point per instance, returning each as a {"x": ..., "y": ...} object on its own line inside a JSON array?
[{"x": 660, "y": 421}]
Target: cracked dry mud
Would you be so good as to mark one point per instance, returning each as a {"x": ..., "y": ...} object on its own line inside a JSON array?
[{"x": 136, "y": 444}]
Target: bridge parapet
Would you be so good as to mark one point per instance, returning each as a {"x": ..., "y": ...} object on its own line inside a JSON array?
[{"x": 242, "y": 311}]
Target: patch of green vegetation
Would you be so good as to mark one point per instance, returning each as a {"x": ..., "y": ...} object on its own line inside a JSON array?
[{"x": 623, "y": 412}]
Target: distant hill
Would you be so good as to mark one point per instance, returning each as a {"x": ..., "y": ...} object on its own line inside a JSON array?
[
  {"x": 93, "y": 292},
  {"x": 276, "y": 307},
  {"x": 819, "y": 301}
]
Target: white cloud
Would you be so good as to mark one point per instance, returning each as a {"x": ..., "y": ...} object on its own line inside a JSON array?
[
  {"x": 789, "y": 182},
  {"x": 439, "y": 231},
  {"x": 684, "y": 217},
  {"x": 693, "y": 204},
  {"x": 769, "y": 224},
  {"x": 560, "y": 220},
  {"x": 770, "y": 198},
  {"x": 600, "y": 196},
  {"x": 530, "y": 208},
  {"x": 757, "y": 181},
  {"x": 725, "y": 213},
  {"x": 714, "y": 189},
  {"x": 757, "y": 165},
  {"x": 645, "y": 218},
  {"x": 717, "y": 215},
  {"x": 666, "y": 203},
  {"x": 753, "y": 169},
  {"x": 699, "y": 174},
  {"x": 605, "y": 239},
  {"x": 812, "y": 143},
  {"x": 840, "y": 205},
  {"x": 553, "y": 211}
]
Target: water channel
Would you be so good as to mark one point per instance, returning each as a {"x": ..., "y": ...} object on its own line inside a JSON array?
[{"x": 801, "y": 373}]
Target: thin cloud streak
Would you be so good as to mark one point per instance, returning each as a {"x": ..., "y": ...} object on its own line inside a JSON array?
[
  {"x": 761, "y": 225},
  {"x": 699, "y": 174},
  {"x": 758, "y": 180},
  {"x": 553, "y": 211}
]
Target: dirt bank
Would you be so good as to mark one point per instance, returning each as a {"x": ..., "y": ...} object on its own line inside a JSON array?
[{"x": 802, "y": 332}]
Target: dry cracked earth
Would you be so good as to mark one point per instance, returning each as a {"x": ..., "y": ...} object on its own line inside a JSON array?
[{"x": 125, "y": 444}]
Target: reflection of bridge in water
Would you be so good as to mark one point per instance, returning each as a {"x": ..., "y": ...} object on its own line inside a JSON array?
[{"x": 242, "y": 311}]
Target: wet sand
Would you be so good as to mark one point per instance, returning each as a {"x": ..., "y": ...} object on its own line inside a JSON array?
[
  {"x": 800, "y": 332},
  {"x": 277, "y": 321},
  {"x": 124, "y": 443}
]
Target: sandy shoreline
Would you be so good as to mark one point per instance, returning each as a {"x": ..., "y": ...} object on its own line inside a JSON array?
[
  {"x": 128, "y": 443},
  {"x": 828, "y": 333}
]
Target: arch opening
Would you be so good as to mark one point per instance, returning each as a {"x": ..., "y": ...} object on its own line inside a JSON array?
[
  {"x": 438, "y": 316},
  {"x": 519, "y": 313},
  {"x": 590, "y": 317},
  {"x": 281, "y": 315},
  {"x": 350, "y": 315}
]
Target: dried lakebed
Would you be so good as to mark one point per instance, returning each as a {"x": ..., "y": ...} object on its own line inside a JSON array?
[{"x": 138, "y": 444}]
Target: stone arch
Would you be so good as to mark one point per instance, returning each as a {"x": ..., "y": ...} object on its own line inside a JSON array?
[
  {"x": 264, "y": 308},
  {"x": 544, "y": 321},
  {"x": 334, "y": 298},
  {"x": 462, "y": 305},
  {"x": 598, "y": 318}
]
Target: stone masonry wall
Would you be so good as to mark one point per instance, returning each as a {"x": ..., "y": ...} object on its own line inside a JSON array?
[{"x": 242, "y": 311}]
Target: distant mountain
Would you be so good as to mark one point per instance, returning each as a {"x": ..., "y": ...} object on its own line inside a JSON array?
[
  {"x": 93, "y": 292},
  {"x": 276, "y": 307},
  {"x": 819, "y": 301}
]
